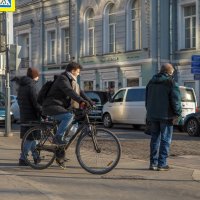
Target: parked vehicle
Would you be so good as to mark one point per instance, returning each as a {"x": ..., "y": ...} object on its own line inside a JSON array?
[
  {"x": 15, "y": 110},
  {"x": 3, "y": 113},
  {"x": 192, "y": 124},
  {"x": 128, "y": 106},
  {"x": 13, "y": 99},
  {"x": 100, "y": 98}
]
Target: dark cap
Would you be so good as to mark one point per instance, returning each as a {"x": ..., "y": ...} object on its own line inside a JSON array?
[{"x": 32, "y": 72}]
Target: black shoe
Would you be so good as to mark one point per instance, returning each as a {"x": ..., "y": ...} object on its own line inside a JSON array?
[
  {"x": 22, "y": 163},
  {"x": 58, "y": 140},
  {"x": 164, "y": 168},
  {"x": 37, "y": 160},
  {"x": 153, "y": 167}
]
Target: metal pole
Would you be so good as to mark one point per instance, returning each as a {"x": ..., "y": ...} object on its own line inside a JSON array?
[{"x": 7, "y": 119}]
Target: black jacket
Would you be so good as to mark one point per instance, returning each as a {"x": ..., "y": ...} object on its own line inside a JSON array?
[
  {"x": 163, "y": 99},
  {"x": 59, "y": 97},
  {"x": 27, "y": 99}
]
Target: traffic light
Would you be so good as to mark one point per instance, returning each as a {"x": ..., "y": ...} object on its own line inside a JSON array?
[{"x": 2, "y": 32}]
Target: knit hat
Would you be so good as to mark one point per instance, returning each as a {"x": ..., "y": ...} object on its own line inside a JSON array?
[{"x": 32, "y": 72}]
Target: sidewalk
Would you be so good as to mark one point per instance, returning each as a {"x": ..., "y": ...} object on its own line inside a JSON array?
[{"x": 13, "y": 186}]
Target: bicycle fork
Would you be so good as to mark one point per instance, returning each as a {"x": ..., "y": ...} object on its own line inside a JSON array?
[{"x": 94, "y": 139}]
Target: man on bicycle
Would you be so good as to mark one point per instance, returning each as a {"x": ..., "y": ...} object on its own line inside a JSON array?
[{"x": 65, "y": 93}]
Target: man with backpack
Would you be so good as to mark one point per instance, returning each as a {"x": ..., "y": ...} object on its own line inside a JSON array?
[
  {"x": 63, "y": 94},
  {"x": 163, "y": 105}
]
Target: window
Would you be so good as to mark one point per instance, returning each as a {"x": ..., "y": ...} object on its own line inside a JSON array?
[
  {"x": 109, "y": 29},
  {"x": 132, "y": 82},
  {"x": 135, "y": 95},
  {"x": 134, "y": 25},
  {"x": 187, "y": 26},
  {"x": 190, "y": 26},
  {"x": 51, "y": 46},
  {"x": 65, "y": 45},
  {"x": 24, "y": 42},
  {"x": 119, "y": 96},
  {"x": 89, "y": 33},
  {"x": 88, "y": 85}
]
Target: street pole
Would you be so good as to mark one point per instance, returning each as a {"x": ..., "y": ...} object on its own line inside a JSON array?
[{"x": 7, "y": 85}]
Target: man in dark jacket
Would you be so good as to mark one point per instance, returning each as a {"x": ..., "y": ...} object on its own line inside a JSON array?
[
  {"x": 29, "y": 108},
  {"x": 163, "y": 104},
  {"x": 64, "y": 93}
]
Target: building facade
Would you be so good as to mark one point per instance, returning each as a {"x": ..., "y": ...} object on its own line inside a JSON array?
[
  {"x": 120, "y": 43},
  {"x": 124, "y": 42},
  {"x": 44, "y": 34}
]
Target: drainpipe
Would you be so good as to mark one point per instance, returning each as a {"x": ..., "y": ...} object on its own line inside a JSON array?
[
  {"x": 43, "y": 40},
  {"x": 170, "y": 31},
  {"x": 158, "y": 35}
]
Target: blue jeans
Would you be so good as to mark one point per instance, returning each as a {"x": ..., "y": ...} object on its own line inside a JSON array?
[
  {"x": 30, "y": 146},
  {"x": 65, "y": 120},
  {"x": 161, "y": 137}
]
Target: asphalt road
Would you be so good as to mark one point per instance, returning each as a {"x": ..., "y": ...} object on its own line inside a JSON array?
[{"x": 130, "y": 180}]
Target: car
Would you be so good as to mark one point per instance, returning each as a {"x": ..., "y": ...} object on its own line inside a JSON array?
[
  {"x": 3, "y": 114},
  {"x": 127, "y": 106},
  {"x": 192, "y": 124},
  {"x": 99, "y": 98},
  {"x": 13, "y": 99},
  {"x": 15, "y": 110}
]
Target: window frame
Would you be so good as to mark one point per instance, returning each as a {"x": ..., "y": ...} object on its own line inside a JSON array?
[
  {"x": 49, "y": 47},
  {"x": 129, "y": 29},
  {"x": 181, "y": 25},
  {"x": 65, "y": 55},
  {"x": 87, "y": 28}
]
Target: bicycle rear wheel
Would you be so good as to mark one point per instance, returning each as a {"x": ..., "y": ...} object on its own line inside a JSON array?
[
  {"x": 102, "y": 159},
  {"x": 37, "y": 147}
]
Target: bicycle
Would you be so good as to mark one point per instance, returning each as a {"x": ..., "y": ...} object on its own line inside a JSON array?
[{"x": 98, "y": 150}]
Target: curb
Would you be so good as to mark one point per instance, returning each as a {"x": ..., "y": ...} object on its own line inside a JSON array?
[{"x": 196, "y": 175}]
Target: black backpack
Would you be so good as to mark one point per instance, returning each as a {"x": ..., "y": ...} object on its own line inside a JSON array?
[{"x": 44, "y": 91}]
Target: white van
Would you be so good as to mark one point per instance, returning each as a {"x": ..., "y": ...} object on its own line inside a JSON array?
[{"x": 127, "y": 106}]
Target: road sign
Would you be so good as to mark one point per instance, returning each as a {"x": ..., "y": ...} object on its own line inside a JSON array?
[
  {"x": 7, "y": 5},
  {"x": 196, "y": 58},
  {"x": 196, "y": 76},
  {"x": 195, "y": 64},
  {"x": 195, "y": 70}
]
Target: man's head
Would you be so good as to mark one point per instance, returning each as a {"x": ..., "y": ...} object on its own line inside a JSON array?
[
  {"x": 74, "y": 68},
  {"x": 33, "y": 73},
  {"x": 167, "y": 68}
]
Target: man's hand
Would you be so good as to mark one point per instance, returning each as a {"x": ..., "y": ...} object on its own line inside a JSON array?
[
  {"x": 175, "y": 120},
  {"x": 84, "y": 104}
]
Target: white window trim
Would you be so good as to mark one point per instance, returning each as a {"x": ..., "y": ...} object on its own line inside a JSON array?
[
  {"x": 114, "y": 35},
  {"x": 86, "y": 34},
  {"x": 21, "y": 30},
  {"x": 105, "y": 29},
  {"x": 60, "y": 43},
  {"x": 181, "y": 39},
  {"x": 129, "y": 20},
  {"x": 46, "y": 46},
  {"x": 92, "y": 28}
]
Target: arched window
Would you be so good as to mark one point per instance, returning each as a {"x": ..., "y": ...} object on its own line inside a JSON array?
[
  {"x": 133, "y": 25},
  {"x": 89, "y": 33},
  {"x": 109, "y": 29}
]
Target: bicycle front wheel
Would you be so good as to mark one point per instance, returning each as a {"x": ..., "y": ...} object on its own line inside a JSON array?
[
  {"x": 98, "y": 152},
  {"x": 37, "y": 148}
]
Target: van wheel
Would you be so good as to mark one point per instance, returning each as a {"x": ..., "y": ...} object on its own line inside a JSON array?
[
  {"x": 107, "y": 121},
  {"x": 192, "y": 127}
]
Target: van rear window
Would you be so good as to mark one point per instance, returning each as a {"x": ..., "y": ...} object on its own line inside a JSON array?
[
  {"x": 187, "y": 95},
  {"x": 135, "y": 95}
]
